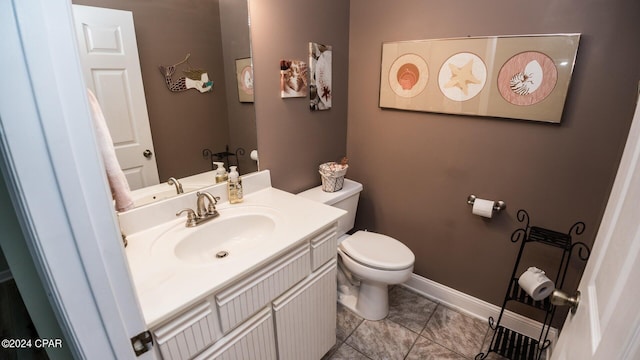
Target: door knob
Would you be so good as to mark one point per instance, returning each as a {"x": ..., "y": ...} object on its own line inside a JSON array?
[
  {"x": 147, "y": 153},
  {"x": 561, "y": 298}
]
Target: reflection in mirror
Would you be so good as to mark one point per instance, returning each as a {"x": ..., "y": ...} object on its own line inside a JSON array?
[{"x": 190, "y": 129}]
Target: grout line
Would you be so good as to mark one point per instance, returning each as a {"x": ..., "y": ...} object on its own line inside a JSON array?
[
  {"x": 419, "y": 334},
  {"x": 330, "y": 353},
  {"x": 411, "y": 347},
  {"x": 438, "y": 343},
  {"x": 422, "y": 330}
]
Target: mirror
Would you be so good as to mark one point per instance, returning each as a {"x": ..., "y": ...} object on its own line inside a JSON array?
[{"x": 191, "y": 128}]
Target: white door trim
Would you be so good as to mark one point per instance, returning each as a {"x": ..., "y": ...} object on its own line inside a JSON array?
[{"x": 57, "y": 183}]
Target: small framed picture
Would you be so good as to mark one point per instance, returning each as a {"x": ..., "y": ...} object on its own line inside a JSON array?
[
  {"x": 244, "y": 74},
  {"x": 293, "y": 78},
  {"x": 320, "y": 88}
]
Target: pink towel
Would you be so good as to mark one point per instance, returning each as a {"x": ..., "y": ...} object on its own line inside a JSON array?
[{"x": 117, "y": 181}]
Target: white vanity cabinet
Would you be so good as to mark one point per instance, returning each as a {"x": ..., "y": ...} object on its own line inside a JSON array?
[
  {"x": 305, "y": 317},
  {"x": 283, "y": 310},
  {"x": 242, "y": 299},
  {"x": 254, "y": 339},
  {"x": 189, "y": 333}
]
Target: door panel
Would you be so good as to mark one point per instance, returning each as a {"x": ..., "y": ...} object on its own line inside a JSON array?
[{"x": 111, "y": 69}]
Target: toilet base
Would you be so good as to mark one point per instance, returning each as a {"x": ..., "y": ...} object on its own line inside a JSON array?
[{"x": 369, "y": 300}]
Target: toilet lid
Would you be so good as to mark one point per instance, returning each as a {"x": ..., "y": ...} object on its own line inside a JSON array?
[{"x": 378, "y": 251}]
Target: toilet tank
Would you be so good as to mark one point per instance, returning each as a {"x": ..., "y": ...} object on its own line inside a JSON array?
[{"x": 345, "y": 198}]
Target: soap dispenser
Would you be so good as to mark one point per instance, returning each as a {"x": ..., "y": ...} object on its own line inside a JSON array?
[
  {"x": 234, "y": 186},
  {"x": 221, "y": 172}
]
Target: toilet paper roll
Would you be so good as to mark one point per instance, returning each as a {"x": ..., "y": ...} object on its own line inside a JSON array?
[
  {"x": 535, "y": 283},
  {"x": 483, "y": 207}
]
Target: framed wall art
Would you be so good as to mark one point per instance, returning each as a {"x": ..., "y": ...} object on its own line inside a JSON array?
[
  {"x": 293, "y": 78},
  {"x": 520, "y": 77},
  {"x": 320, "y": 88},
  {"x": 244, "y": 75}
]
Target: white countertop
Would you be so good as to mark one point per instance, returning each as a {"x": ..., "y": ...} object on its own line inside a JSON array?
[{"x": 167, "y": 285}]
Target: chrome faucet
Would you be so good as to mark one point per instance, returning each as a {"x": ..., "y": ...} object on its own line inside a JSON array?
[
  {"x": 203, "y": 213},
  {"x": 174, "y": 181}
]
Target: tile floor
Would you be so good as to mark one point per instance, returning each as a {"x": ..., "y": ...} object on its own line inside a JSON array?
[{"x": 416, "y": 328}]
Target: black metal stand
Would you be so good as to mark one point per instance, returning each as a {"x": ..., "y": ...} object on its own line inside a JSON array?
[
  {"x": 224, "y": 156},
  {"x": 513, "y": 345}
]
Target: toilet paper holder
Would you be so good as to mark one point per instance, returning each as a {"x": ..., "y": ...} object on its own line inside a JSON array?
[{"x": 498, "y": 205}]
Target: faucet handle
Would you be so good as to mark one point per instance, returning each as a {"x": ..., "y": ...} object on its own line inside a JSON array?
[
  {"x": 191, "y": 217},
  {"x": 211, "y": 208}
]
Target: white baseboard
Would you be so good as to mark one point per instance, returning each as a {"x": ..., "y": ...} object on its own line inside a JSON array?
[{"x": 475, "y": 307}]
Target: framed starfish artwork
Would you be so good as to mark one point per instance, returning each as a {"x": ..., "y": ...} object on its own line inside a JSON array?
[
  {"x": 519, "y": 77},
  {"x": 320, "y": 89}
]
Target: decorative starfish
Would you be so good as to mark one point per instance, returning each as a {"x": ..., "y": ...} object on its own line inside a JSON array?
[
  {"x": 460, "y": 77},
  {"x": 326, "y": 92}
]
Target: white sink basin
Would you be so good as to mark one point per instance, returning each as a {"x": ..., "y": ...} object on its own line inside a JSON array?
[{"x": 238, "y": 231}]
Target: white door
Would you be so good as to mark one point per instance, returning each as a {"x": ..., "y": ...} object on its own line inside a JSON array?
[
  {"x": 111, "y": 69},
  {"x": 607, "y": 322},
  {"x": 58, "y": 189}
]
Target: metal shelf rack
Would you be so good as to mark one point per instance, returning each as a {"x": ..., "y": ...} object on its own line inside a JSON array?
[{"x": 509, "y": 343}]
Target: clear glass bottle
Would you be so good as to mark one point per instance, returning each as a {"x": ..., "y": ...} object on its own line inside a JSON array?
[
  {"x": 234, "y": 186},
  {"x": 221, "y": 172}
]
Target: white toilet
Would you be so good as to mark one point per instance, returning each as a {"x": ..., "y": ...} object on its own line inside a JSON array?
[{"x": 368, "y": 262}]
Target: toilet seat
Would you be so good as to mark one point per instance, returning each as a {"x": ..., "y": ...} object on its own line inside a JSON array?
[{"x": 377, "y": 251}]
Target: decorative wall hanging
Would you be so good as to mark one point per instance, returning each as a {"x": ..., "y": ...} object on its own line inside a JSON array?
[
  {"x": 244, "y": 75},
  {"x": 293, "y": 78},
  {"x": 519, "y": 77},
  {"x": 320, "y": 71},
  {"x": 194, "y": 78}
]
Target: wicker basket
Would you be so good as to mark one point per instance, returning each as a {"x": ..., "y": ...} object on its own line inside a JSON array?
[{"x": 332, "y": 175}]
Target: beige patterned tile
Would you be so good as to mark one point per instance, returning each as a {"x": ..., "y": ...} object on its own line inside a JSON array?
[
  {"x": 382, "y": 340},
  {"x": 346, "y": 322},
  {"x": 425, "y": 349},
  {"x": 346, "y": 352},
  {"x": 333, "y": 349},
  {"x": 409, "y": 309},
  {"x": 455, "y": 331}
]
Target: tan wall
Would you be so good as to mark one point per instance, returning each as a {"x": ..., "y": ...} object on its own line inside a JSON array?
[
  {"x": 292, "y": 140},
  {"x": 418, "y": 168}
]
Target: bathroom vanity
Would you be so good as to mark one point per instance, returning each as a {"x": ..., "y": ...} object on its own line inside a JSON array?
[{"x": 257, "y": 282}]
